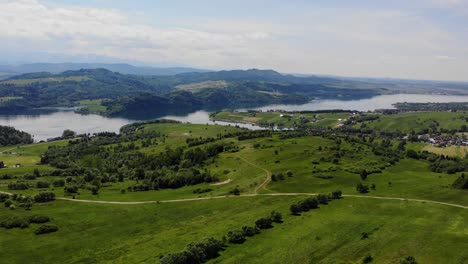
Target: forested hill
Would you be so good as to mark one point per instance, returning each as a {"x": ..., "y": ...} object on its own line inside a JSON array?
[
  {"x": 10, "y": 136},
  {"x": 118, "y": 93}
]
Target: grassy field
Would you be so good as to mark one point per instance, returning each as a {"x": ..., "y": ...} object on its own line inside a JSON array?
[
  {"x": 451, "y": 151},
  {"x": 46, "y": 80},
  {"x": 282, "y": 119},
  {"x": 91, "y": 233},
  {"x": 93, "y": 106},
  {"x": 418, "y": 121},
  {"x": 142, "y": 233}
]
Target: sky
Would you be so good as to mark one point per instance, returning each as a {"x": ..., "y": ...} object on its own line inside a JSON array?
[{"x": 413, "y": 39}]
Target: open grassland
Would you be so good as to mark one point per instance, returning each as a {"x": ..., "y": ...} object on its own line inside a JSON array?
[
  {"x": 94, "y": 232},
  {"x": 196, "y": 87},
  {"x": 418, "y": 121},
  {"x": 451, "y": 151},
  {"x": 283, "y": 119},
  {"x": 98, "y": 233},
  {"x": 93, "y": 106},
  {"x": 46, "y": 80}
]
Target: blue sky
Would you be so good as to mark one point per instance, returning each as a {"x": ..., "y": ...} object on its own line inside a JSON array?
[{"x": 423, "y": 39}]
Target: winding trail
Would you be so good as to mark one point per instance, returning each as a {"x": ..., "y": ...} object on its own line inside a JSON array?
[
  {"x": 268, "y": 174},
  {"x": 265, "y": 194},
  {"x": 257, "y": 194}
]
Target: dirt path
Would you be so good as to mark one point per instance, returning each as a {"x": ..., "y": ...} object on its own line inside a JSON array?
[
  {"x": 221, "y": 183},
  {"x": 268, "y": 174},
  {"x": 265, "y": 194}
]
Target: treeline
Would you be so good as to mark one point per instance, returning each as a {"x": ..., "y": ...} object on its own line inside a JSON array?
[
  {"x": 432, "y": 106},
  {"x": 207, "y": 249},
  {"x": 10, "y": 136},
  {"x": 109, "y": 157},
  {"x": 440, "y": 163}
]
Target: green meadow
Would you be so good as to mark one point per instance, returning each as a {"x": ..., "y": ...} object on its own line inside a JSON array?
[{"x": 264, "y": 169}]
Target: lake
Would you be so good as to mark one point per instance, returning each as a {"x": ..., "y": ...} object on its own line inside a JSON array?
[{"x": 43, "y": 126}]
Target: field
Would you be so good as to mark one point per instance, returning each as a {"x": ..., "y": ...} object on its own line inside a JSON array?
[
  {"x": 93, "y": 106},
  {"x": 283, "y": 119},
  {"x": 116, "y": 226},
  {"x": 46, "y": 80},
  {"x": 418, "y": 121},
  {"x": 451, "y": 151}
]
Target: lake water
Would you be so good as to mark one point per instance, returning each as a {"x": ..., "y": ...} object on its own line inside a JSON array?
[{"x": 43, "y": 126}]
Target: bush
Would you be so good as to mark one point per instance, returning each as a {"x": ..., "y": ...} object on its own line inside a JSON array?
[
  {"x": 361, "y": 188},
  {"x": 250, "y": 231},
  {"x": 71, "y": 189},
  {"x": 322, "y": 199},
  {"x": 264, "y": 223},
  {"x": 336, "y": 194},
  {"x": 198, "y": 252},
  {"x": 14, "y": 222},
  {"x": 276, "y": 217},
  {"x": 38, "y": 219},
  {"x": 44, "y": 197},
  {"x": 8, "y": 203},
  {"x": 42, "y": 184},
  {"x": 59, "y": 183},
  {"x": 295, "y": 209},
  {"x": 46, "y": 229},
  {"x": 408, "y": 260},
  {"x": 17, "y": 186},
  {"x": 236, "y": 237},
  {"x": 4, "y": 197}
]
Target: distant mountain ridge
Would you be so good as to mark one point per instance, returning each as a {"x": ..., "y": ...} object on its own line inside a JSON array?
[{"x": 115, "y": 67}]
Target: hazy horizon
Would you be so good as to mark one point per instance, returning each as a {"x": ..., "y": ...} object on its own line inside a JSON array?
[{"x": 422, "y": 40}]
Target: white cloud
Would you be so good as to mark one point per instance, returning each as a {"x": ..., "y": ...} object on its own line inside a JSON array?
[{"x": 371, "y": 42}]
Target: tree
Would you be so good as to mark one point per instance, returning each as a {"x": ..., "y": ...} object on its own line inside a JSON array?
[
  {"x": 364, "y": 174},
  {"x": 8, "y": 203},
  {"x": 36, "y": 173},
  {"x": 236, "y": 237},
  {"x": 322, "y": 198},
  {"x": 276, "y": 217},
  {"x": 361, "y": 188},
  {"x": 250, "y": 231},
  {"x": 2, "y": 165},
  {"x": 408, "y": 260},
  {"x": 367, "y": 259},
  {"x": 67, "y": 133},
  {"x": 336, "y": 194},
  {"x": 264, "y": 223},
  {"x": 235, "y": 191},
  {"x": 28, "y": 204},
  {"x": 289, "y": 173},
  {"x": 94, "y": 190},
  {"x": 295, "y": 209}
]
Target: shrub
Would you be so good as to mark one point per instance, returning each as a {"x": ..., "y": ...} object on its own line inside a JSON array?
[
  {"x": 17, "y": 186},
  {"x": 14, "y": 222},
  {"x": 46, "y": 229},
  {"x": 236, "y": 237},
  {"x": 336, "y": 194},
  {"x": 264, "y": 223},
  {"x": 71, "y": 189},
  {"x": 8, "y": 203},
  {"x": 44, "y": 197},
  {"x": 40, "y": 184},
  {"x": 408, "y": 260},
  {"x": 361, "y": 188},
  {"x": 322, "y": 198},
  {"x": 276, "y": 217},
  {"x": 38, "y": 219},
  {"x": 295, "y": 209},
  {"x": 59, "y": 183},
  {"x": 4, "y": 197},
  {"x": 250, "y": 231}
]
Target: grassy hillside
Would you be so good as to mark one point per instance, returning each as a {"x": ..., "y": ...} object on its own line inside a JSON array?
[{"x": 270, "y": 170}]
